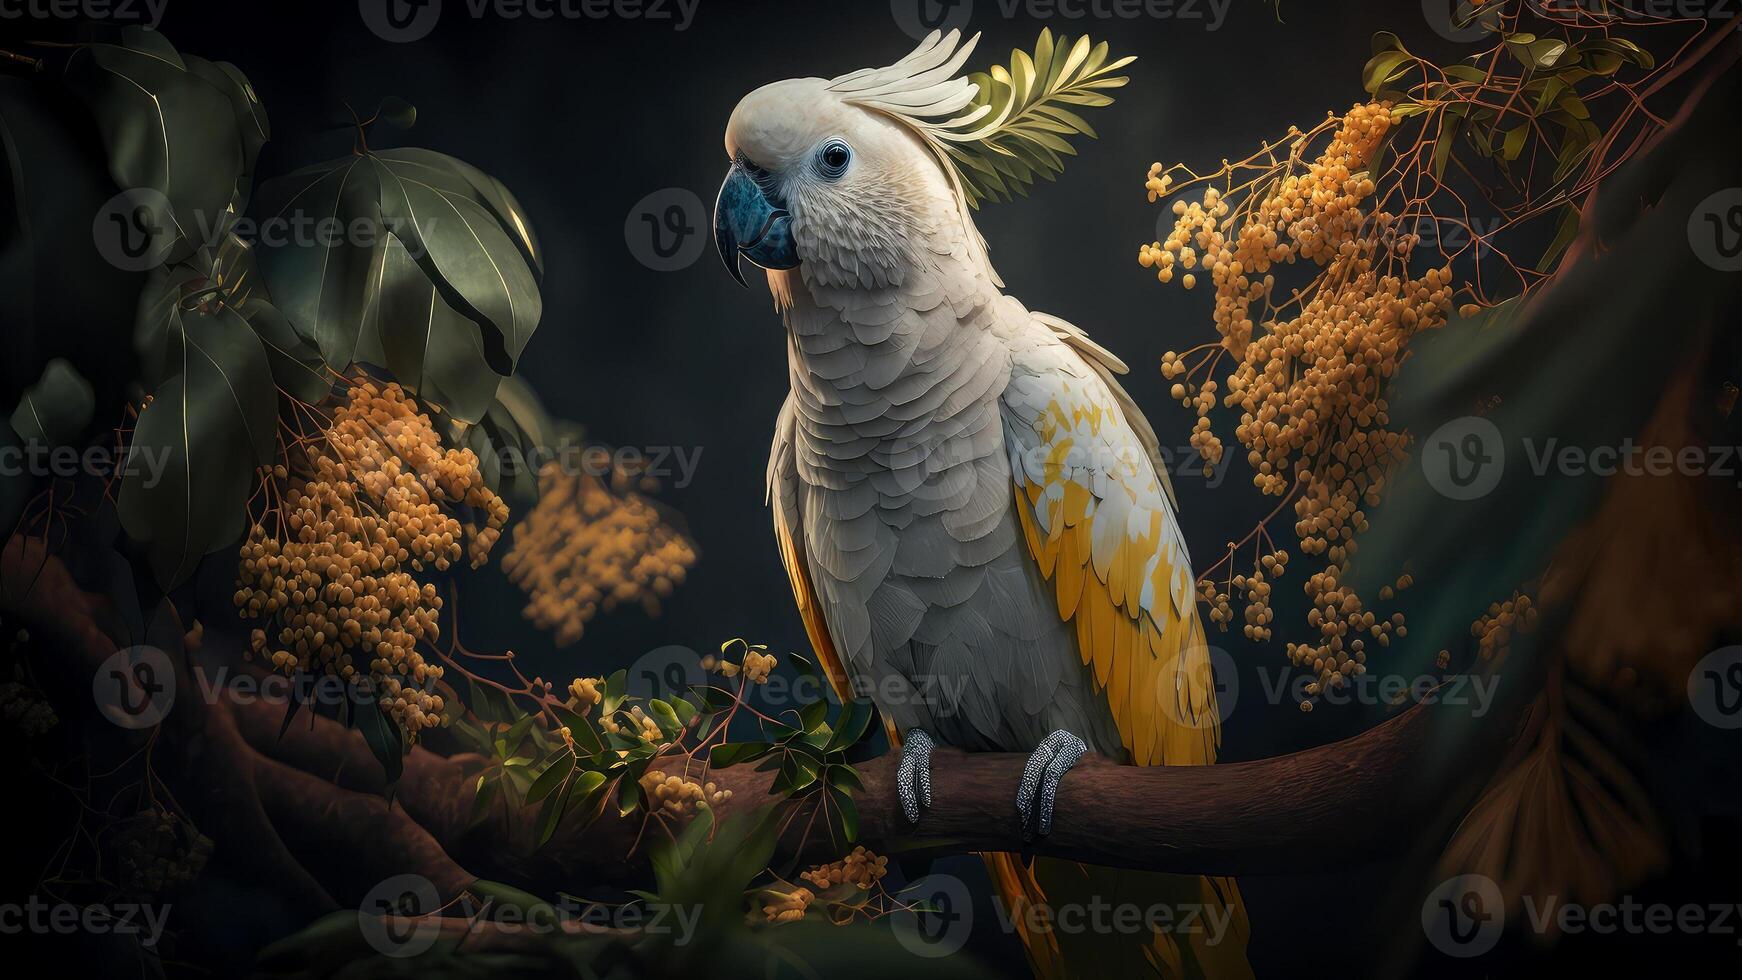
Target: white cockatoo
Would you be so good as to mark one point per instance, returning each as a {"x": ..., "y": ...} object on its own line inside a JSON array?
[{"x": 974, "y": 515}]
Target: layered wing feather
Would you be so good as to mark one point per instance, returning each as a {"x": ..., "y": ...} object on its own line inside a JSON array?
[{"x": 1095, "y": 509}]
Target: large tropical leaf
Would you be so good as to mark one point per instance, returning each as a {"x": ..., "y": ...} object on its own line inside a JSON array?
[
  {"x": 325, "y": 281},
  {"x": 436, "y": 280},
  {"x": 166, "y": 128},
  {"x": 252, "y": 127},
  {"x": 195, "y": 450},
  {"x": 225, "y": 275},
  {"x": 56, "y": 410}
]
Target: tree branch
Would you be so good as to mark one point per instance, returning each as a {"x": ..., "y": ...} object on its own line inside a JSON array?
[{"x": 315, "y": 795}]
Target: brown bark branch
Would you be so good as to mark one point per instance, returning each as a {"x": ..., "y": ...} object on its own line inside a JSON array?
[{"x": 307, "y": 807}]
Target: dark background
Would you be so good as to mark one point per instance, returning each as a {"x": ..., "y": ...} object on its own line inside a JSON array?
[{"x": 584, "y": 118}]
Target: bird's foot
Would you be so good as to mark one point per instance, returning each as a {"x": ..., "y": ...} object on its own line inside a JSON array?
[
  {"x": 1054, "y": 757},
  {"x": 913, "y": 778}
]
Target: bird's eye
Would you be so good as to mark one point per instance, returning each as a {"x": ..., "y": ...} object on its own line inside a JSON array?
[{"x": 832, "y": 159}]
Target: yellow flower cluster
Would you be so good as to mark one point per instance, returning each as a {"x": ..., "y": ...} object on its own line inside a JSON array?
[
  {"x": 680, "y": 796},
  {"x": 584, "y": 549},
  {"x": 584, "y": 693},
  {"x": 634, "y": 723},
  {"x": 366, "y": 506},
  {"x": 1310, "y": 387},
  {"x": 758, "y": 664},
  {"x": 862, "y": 868}
]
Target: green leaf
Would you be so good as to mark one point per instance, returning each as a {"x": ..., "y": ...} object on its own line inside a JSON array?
[
  {"x": 812, "y": 716},
  {"x": 252, "y": 128},
  {"x": 489, "y": 791},
  {"x": 1514, "y": 142},
  {"x": 1466, "y": 73},
  {"x": 665, "y": 717},
  {"x": 57, "y": 409},
  {"x": 196, "y": 447},
  {"x": 845, "y": 776},
  {"x": 550, "y": 814},
  {"x": 396, "y": 112},
  {"x": 1383, "y": 41},
  {"x": 551, "y": 778},
  {"x": 1384, "y": 68},
  {"x": 851, "y": 725},
  {"x": 384, "y": 739},
  {"x": 735, "y": 753},
  {"x": 846, "y": 813},
  {"x": 435, "y": 273},
  {"x": 628, "y": 795},
  {"x": 1443, "y": 144},
  {"x": 685, "y": 711},
  {"x": 297, "y": 366},
  {"x": 164, "y": 128}
]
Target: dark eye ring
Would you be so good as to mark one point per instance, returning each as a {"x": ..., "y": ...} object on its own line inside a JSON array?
[{"x": 832, "y": 159}]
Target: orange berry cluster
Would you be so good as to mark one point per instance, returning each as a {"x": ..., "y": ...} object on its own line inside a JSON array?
[
  {"x": 1310, "y": 386},
  {"x": 368, "y": 504},
  {"x": 862, "y": 868},
  {"x": 680, "y": 796},
  {"x": 584, "y": 549}
]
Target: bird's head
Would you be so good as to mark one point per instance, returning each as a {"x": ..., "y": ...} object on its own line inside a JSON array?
[{"x": 862, "y": 177}]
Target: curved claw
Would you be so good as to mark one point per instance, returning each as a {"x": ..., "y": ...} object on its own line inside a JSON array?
[
  {"x": 1054, "y": 757},
  {"x": 913, "y": 777}
]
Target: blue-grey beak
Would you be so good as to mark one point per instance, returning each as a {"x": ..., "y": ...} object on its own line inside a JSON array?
[{"x": 747, "y": 224}]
